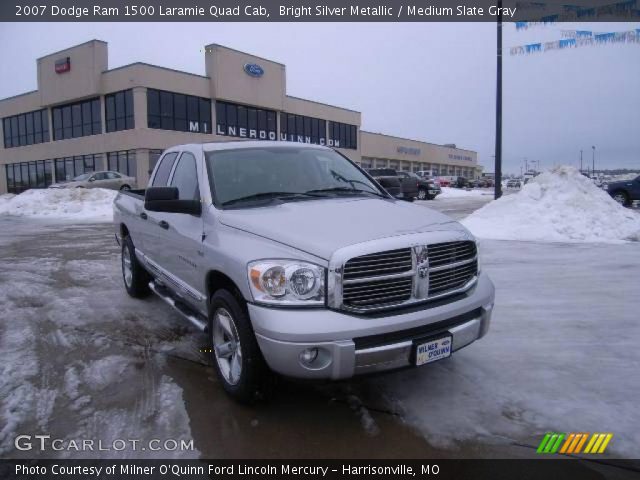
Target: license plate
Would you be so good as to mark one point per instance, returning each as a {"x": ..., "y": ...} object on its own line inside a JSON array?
[{"x": 432, "y": 350}]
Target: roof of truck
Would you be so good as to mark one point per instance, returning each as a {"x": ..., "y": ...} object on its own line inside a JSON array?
[{"x": 256, "y": 144}]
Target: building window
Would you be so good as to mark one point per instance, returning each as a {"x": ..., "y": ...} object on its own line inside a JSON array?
[
  {"x": 245, "y": 122},
  {"x": 119, "y": 111},
  {"x": 123, "y": 162},
  {"x": 342, "y": 135},
  {"x": 68, "y": 168},
  {"x": 26, "y": 129},
  {"x": 298, "y": 128},
  {"x": 175, "y": 111},
  {"x": 77, "y": 120},
  {"x": 26, "y": 175}
]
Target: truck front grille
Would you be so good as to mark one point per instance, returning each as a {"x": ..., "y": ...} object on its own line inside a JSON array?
[
  {"x": 378, "y": 279},
  {"x": 450, "y": 252},
  {"x": 391, "y": 278},
  {"x": 451, "y": 278},
  {"x": 378, "y": 264}
]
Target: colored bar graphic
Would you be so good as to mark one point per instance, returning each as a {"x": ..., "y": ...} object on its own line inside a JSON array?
[{"x": 573, "y": 442}]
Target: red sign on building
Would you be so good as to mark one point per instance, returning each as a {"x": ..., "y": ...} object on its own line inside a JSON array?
[{"x": 63, "y": 65}]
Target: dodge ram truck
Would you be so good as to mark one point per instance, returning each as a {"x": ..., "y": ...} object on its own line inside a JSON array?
[{"x": 296, "y": 262}]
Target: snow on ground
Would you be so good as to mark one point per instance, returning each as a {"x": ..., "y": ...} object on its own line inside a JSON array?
[
  {"x": 560, "y": 205},
  {"x": 561, "y": 354},
  {"x": 78, "y": 363},
  {"x": 66, "y": 204},
  {"x": 449, "y": 192}
]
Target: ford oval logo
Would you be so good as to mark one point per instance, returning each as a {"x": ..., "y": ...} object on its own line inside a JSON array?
[{"x": 253, "y": 69}]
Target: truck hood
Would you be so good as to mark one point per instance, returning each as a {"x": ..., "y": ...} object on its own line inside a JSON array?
[{"x": 320, "y": 227}]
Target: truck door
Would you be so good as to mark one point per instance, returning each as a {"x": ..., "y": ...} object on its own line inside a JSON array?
[{"x": 178, "y": 248}]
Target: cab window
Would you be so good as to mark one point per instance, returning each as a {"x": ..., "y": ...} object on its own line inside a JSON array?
[
  {"x": 164, "y": 169},
  {"x": 185, "y": 178}
]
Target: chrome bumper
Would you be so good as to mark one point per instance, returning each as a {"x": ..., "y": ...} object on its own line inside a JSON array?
[{"x": 284, "y": 334}]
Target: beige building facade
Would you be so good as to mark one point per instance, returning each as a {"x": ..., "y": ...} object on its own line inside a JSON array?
[{"x": 85, "y": 117}]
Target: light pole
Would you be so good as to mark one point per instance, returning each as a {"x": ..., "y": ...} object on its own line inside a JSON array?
[
  {"x": 593, "y": 161},
  {"x": 498, "y": 150},
  {"x": 580, "y": 161}
]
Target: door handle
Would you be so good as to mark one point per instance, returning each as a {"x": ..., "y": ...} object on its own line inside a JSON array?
[
  {"x": 164, "y": 224},
  {"x": 143, "y": 216}
]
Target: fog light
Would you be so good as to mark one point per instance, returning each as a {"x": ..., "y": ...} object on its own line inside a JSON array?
[{"x": 309, "y": 355}]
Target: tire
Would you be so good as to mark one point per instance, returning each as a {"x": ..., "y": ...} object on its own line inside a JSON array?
[
  {"x": 621, "y": 197},
  {"x": 125, "y": 187},
  {"x": 235, "y": 353},
  {"x": 135, "y": 277},
  {"x": 422, "y": 194}
]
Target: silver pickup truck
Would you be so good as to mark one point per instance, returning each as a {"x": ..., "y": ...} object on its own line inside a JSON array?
[{"x": 295, "y": 261}]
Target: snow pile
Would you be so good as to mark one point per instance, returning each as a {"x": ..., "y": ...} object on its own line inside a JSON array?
[
  {"x": 76, "y": 204},
  {"x": 448, "y": 192},
  {"x": 560, "y": 205}
]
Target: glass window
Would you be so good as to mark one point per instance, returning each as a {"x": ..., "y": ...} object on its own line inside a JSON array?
[
  {"x": 10, "y": 184},
  {"x": 236, "y": 174},
  {"x": 119, "y": 110},
  {"x": 245, "y": 121},
  {"x": 76, "y": 120},
  {"x": 180, "y": 105},
  {"x": 162, "y": 174},
  {"x": 185, "y": 177},
  {"x": 154, "y": 155},
  {"x": 343, "y": 135},
  {"x": 22, "y": 129},
  {"x": 205, "y": 115},
  {"x": 6, "y": 131},
  {"x": 29, "y": 122}
]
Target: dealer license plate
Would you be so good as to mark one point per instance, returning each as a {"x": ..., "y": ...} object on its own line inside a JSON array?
[{"x": 432, "y": 350}]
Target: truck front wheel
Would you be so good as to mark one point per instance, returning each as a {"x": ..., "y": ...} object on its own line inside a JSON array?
[
  {"x": 136, "y": 279},
  {"x": 235, "y": 353}
]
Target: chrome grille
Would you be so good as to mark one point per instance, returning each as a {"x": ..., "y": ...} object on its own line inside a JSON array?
[
  {"x": 378, "y": 264},
  {"x": 452, "y": 278},
  {"x": 363, "y": 286},
  {"x": 380, "y": 292},
  {"x": 450, "y": 252},
  {"x": 405, "y": 276}
]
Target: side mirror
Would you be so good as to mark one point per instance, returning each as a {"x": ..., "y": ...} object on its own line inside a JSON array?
[
  {"x": 165, "y": 199},
  {"x": 92, "y": 179}
]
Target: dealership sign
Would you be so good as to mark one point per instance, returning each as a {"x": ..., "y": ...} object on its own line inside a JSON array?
[
  {"x": 409, "y": 150},
  {"x": 63, "y": 65},
  {"x": 253, "y": 69},
  {"x": 252, "y": 133}
]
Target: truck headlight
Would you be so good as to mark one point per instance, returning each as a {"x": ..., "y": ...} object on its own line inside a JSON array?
[{"x": 287, "y": 282}]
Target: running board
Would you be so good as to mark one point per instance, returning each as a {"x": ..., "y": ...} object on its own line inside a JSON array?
[{"x": 179, "y": 307}]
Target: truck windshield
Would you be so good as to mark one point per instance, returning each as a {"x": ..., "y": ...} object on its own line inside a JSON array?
[{"x": 269, "y": 173}]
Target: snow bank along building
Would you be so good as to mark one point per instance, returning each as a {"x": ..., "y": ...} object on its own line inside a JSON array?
[{"x": 85, "y": 117}]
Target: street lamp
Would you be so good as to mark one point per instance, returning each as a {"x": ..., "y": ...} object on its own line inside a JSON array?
[{"x": 593, "y": 161}]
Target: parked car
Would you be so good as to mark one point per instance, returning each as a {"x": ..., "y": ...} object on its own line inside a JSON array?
[
  {"x": 107, "y": 179},
  {"x": 624, "y": 192},
  {"x": 388, "y": 179},
  {"x": 406, "y": 188},
  {"x": 428, "y": 189},
  {"x": 410, "y": 185},
  {"x": 293, "y": 261},
  {"x": 513, "y": 183},
  {"x": 461, "y": 182}
]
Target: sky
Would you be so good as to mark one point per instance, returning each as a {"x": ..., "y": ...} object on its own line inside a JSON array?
[{"x": 434, "y": 82}]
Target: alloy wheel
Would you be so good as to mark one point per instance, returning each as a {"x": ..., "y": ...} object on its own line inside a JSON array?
[{"x": 226, "y": 346}]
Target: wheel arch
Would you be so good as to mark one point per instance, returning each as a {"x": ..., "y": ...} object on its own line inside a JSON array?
[{"x": 216, "y": 280}]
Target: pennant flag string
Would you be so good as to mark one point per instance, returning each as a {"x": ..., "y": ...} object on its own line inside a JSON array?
[
  {"x": 627, "y": 8},
  {"x": 631, "y": 36}
]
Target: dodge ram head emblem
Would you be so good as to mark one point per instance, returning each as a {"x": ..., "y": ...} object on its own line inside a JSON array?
[
  {"x": 422, "y": 271},
  {"x": 422, "y": 261}
]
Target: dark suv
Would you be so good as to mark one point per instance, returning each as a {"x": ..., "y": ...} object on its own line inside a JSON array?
[
  {"x": 625, "y": 192},
  {"x": 428, "y": 189}
]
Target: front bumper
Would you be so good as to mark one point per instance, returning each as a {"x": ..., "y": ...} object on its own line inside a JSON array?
[{"x": 349, "y": 345}]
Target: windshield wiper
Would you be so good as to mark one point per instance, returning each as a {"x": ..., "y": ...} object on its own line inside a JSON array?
[
  {"x": 269, "y": 196},
  {"x": 343, "y": 190}
]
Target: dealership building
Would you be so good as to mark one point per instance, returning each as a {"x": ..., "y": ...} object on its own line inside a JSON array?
[{"x": 86, "y": 117}]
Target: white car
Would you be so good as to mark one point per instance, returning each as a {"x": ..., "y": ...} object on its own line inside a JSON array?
[{"x": 107, "y": 179}]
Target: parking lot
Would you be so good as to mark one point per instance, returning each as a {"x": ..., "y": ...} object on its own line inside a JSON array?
[{"x": 81, "y": 359}]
